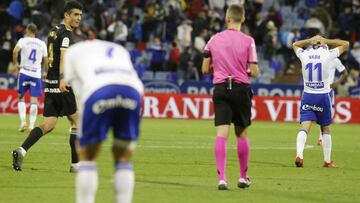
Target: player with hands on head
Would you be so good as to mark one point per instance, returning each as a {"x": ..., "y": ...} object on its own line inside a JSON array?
[{"x": 316, "y": 103}]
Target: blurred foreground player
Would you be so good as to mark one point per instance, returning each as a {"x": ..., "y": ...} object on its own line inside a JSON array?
[
  {"x": 59, "y": 97},
  {"x": 110, "y": 98},
  {"x": 316, "y": 102}
]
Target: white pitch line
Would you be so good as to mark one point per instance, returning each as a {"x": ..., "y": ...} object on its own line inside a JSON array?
[{"x": 151, "y": 146}]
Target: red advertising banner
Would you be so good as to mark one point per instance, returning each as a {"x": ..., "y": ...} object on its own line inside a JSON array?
[
  {"x": 186, "y": 106},
  {"x": 9, "y": 100}
]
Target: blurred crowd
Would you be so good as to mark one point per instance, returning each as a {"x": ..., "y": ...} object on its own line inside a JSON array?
[{"x": 169, "y": 35}]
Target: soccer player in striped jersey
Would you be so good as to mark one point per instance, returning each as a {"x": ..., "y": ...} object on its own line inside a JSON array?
[{"x": 32, "y": 51}]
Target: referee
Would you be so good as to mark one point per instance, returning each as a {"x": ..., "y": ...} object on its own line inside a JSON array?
[{"x": 231, "y": 56}]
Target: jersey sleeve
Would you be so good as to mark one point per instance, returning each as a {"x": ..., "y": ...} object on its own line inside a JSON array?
[
  {"x": 20, "y": 43},
  {"x": 334, "y": 53},
  {"x": 252, "y": 56},
  {"x": 299, "y": 52},
  {"x": 207, "y": 48},
  {"x": 339, "y": 66},
  {"x": 45, "y": 53},
  {"x": 65, "y": 40}
]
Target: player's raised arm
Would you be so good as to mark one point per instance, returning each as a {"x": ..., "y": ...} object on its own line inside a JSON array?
[
  {"x": 342, "y": 45},
  {"x": 301, "y": 43}
]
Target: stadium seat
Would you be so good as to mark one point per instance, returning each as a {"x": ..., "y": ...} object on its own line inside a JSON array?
[
  {"x": 172, "y": 77},
  {"x": 140, "y": 69},
  {"x": 161, "y": 75},
  {"x": 206, "y": 78},
  {"x": 134, "y": 54},
  {"x": 275, "y": 65},
  {"x": 148, "y": 75}
]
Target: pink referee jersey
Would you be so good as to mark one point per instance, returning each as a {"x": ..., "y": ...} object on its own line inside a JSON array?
[{"x": 231, "y": 51}]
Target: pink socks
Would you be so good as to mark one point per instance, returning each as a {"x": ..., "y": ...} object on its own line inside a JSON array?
[
  {"x": 243, "y": 150},
  {"x": 220, "y": 156}
]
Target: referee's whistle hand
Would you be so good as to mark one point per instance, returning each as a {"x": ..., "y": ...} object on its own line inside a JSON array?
[{"x": 63, "y": 86}]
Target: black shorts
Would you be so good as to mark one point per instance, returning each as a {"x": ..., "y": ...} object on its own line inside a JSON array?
[
  {"x": 59, "y": 104},
  {"x": 232, "y": 106}
]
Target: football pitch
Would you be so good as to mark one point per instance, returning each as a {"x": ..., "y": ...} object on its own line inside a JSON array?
[{"x": 174, "y": 163}]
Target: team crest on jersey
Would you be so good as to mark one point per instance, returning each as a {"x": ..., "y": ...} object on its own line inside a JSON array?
[{"x": 65, "y": 42}]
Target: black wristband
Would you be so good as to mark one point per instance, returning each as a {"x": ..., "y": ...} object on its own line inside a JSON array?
[{"x": 61, "y": 76}]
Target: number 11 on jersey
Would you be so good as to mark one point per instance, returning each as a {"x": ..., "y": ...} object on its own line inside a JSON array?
[{"x": 317, "y": 67}]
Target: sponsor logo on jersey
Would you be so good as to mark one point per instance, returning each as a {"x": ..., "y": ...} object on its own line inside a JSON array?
[
  {"x": 104, "y": 104},
  {"x": 31, "y": 83},
  {"x": 65, "y": 42},
  {"x": 52, "y": 90},
  {"x": 51, "y": 81},
  {"x": 28, "y": 68},
  {"x": 307, "y": 107},
  {"x": 315, "y": 85}
]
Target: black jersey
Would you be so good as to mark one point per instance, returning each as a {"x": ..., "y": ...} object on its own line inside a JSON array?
[{"x": 59, "y": 37}]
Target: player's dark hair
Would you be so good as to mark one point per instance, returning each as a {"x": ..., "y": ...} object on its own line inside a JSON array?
[
  {"x": 70, "y": 5},
  {"x": 32, "y": 28},
  {"x": 236, "y": 13}
]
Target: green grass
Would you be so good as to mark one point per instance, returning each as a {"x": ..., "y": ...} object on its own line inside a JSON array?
[{"x": 174, "y": 163}]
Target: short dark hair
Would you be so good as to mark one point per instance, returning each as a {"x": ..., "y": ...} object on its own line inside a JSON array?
[
  {"x": 236, "y": 12},
  {"x": 32, "y": 28},
  {"x": 70, "y": 5}
]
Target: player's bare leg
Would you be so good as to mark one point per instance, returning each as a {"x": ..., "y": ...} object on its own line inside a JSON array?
[
  {"x": 124, "y": 177},
  {"x": 320, "y": 139},
  {"x": 35, "y": 134},
  {"x": 33, "y": 112},
  {"x": 73, "y": 119},
  {"x": 222, "y": 134},
  {"x": 87, "y": 177},
  {"x": 327, "y": 145},
  {"x": 22, "y": 113},
  {"x": 243, "y": 152},
  {"x": 300, "y": 143}
]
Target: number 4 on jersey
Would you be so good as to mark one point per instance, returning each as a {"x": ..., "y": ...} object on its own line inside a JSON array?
[{"x": 32, "y": 55}]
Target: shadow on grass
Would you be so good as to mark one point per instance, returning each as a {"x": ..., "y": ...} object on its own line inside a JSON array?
[{"x": 167, "y": 183}]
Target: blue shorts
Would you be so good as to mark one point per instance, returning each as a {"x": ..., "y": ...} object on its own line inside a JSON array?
[
  {"x": 332, "y": 97},
  {"x": 316, "y": 107},
  {"x": 26, "y": 82},
  {"x": 113, "y": 106}
]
